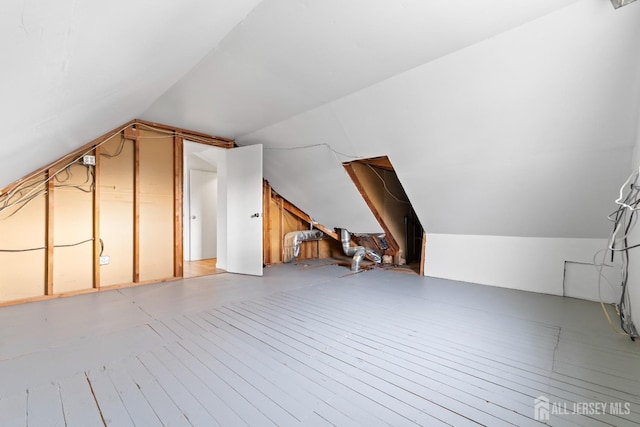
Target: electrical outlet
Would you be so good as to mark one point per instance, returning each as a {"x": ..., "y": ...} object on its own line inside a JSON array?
[
  {"x": 104, "y": 260},
  {"x": 89, "y": 160}
]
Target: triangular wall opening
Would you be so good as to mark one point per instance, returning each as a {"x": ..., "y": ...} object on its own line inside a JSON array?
[{"x": 381, "y": 189}]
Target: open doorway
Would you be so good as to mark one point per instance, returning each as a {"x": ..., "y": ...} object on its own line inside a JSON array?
[
  {"x": 201, "y": 206},
  {"x": 381, "y": 189},
  {"x": 236, "y": 210}
]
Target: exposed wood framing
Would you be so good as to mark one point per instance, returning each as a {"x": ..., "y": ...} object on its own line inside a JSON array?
[
  {"x": 71, "y": 157},
  {"x": 178, "y": 256},
  {"x": 190, "y": 135},
  {"x": 97, "y": 247},
  {"x": 82, "y": 292},
  {"x": 381, "y": 162},
  {"x": 201, "y": 138},
  {"x": 136, "y": 210},
  {"x": 281, "y": 229},
  {"x": 281, "y": 217},
  {"x": 129, "y": 131},
  {"x": 49, "y": 233},
  {"x": 424, "y": 248},
  {"x": 266, "y": 223},
  {"x": 303, "y": 216},
  {"x": 393, "y": 244}
]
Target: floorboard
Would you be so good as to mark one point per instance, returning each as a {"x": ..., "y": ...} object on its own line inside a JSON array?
[{"x": 315, "y": 346}]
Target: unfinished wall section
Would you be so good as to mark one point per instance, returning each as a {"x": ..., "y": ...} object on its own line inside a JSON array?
[
  {"x": 157, "y": 196},
  {"x": 23, "y": 240},
  {"x": 72, "y": 212},
  {"x": 116, "y": 210},
  {"x": 281, "y": 217},
  {"x": 112, "y": 219}
]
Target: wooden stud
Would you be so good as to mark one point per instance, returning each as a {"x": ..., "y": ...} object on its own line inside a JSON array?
[
  {"x": 393, "y": 244},
  {"x": 381, "y": 162},
  {"x": 201, "y": 138},
  {"x": 49, "y": 233},
  {"x": 131, "y": 133},
  {"x": 281, "y": 231},
  {"x": 266, "y": 221},
  {"x": 178, "y": 255},
  {"x": 49, "y": 170},
  {"x": 303, "y": 216},
  {"x": 136, "y": 210},
  {"x": 424, "y": 248},
  {"x": 97, "y": 247},
  {"x": 71, "y": 156}
]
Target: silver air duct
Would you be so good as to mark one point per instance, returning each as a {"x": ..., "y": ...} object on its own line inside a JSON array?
[
  {"x": 294, "y": 239},
  {"x": 356, "y": 252},
  {"x": 373, "y": 256}
]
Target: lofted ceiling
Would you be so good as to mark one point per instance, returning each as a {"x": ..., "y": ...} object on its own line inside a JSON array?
[
  {"x": 500, "y": 117},
  {"x": 73, "y": 70}
]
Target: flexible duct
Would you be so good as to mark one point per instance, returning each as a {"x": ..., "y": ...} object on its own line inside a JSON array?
[
  {"x": 356, "y": 252},
  {"x": 373, "y": 255},
  {"x": 294, "y": 239}
]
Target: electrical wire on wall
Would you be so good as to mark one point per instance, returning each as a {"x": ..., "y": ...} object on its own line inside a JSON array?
[
  {"x": 624, "y": 219},
  {"x": 303, "y": 147},
  {"x": 384, "y": 184},
  {"x": 117, "y": 152},
  {"x": 334, "y": 152},
  {"x": 20, "y": 196},
  {"x": 65, "y": 181},
  {"x": 26, "y": 191},
  {"x": 69, "y": 245}
]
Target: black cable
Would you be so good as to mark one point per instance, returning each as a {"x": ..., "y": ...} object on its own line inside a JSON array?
[
  {"x": 23, "y": 250},
  {"x": 74, "y": 244},
  {"x": 45, "y": 247},
  {"x": 621, "y": 217}
]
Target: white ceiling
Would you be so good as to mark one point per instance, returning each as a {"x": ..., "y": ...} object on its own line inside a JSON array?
[
  {"x": 500, "y": 117},
  {"x": 289, "y": 56},
  {"x": 528, "y": 133},
  {"x": 73, "y": 70}
]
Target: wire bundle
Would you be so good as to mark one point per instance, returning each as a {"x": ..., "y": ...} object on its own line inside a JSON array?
[{"x": 624, "y": 219}]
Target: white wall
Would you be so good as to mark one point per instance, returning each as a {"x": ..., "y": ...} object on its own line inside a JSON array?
[
  {"x": 524, "y": 134},
  {"x": 582, "y": 280},
  {"x": 192, "y": 161},
  {"x": 202, "y": 215},
  {"x": 526, "y": 263},
  {"x": 197, "y": 156},
  {"x": 222, "y": 206},
  {"x": 218, "y": 157}
]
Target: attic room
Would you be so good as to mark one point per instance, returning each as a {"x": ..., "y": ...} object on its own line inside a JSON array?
[{"x": 278, "y": 212}]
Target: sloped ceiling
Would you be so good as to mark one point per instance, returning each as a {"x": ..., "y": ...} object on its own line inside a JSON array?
[
  {"x": 289, "y": 56},
  {"x": 500, "y": 117},
  {"x": 529, "y": 133},
  {"x": 73, "y": 70}
]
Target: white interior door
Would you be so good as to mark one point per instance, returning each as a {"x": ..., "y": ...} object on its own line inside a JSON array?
[
  {"x": 244, "y": 210},
  {"x": 202, "y": 214}
]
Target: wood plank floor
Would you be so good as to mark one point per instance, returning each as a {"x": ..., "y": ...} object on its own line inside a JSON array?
[
  {"x": 205, "y": 267},
  {"x": 313, "y": 345}
]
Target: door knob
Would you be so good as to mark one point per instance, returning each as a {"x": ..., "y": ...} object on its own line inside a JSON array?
[{"x": 193, "y": 217}]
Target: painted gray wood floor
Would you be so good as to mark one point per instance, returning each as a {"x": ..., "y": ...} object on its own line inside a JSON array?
[{"x": 311, "y": 346}]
